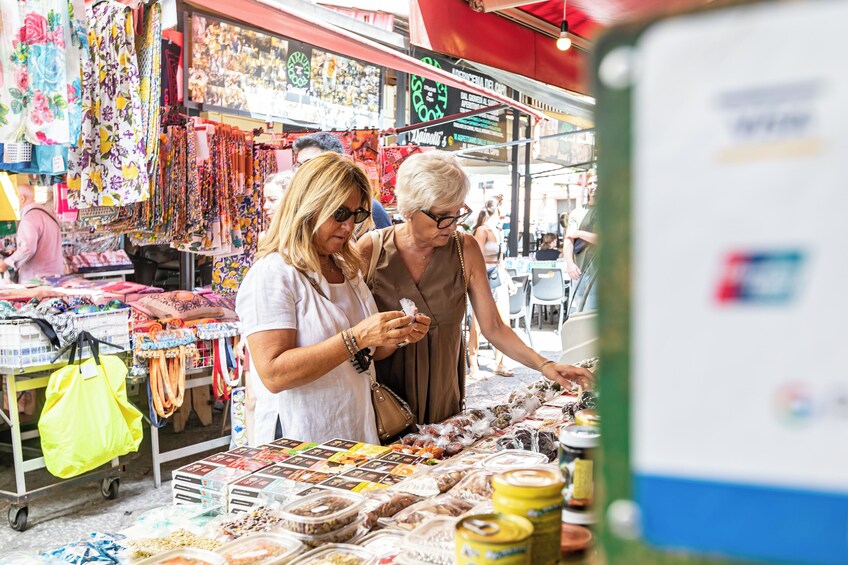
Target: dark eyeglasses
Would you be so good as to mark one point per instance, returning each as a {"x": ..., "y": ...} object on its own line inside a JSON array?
[
  {"x": 443, "y": 222},
  {"x": 359, "y": 215}
]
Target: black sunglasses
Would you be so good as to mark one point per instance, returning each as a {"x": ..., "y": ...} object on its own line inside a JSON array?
[
  {"x": 359, "y": 215},
  {"x": 443, "y": 222}
]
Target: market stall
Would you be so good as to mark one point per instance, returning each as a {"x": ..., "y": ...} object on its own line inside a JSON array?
[{"x": 482, "y": 481}]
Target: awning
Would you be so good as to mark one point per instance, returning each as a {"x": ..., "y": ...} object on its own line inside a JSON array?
[
  {"x": 452, "y": 28},
  {"x": 563, "y": 100},
  {"x": 275, "y": 17}
]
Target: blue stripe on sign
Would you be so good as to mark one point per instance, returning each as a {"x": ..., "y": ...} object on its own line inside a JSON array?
[{"x": 746, "y": 521}]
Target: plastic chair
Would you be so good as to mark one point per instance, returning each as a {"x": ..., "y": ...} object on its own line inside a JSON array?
[
  {"x": 548, "y": 289},
  {"x": 518, "y": 305}
]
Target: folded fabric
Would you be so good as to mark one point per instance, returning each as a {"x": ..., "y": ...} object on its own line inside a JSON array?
[
  {"x": 179, "y": 304},
  {"x": 116, "y": 260},
  {"x": 127, "y": 288}
]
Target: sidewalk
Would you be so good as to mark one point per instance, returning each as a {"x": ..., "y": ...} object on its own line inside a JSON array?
[{"x": 71, "y": 516}]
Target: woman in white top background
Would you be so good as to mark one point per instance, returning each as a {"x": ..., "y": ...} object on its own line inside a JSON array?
[
  {"x": 303, "y": 304},
  {"x": 489, "y": 235}
]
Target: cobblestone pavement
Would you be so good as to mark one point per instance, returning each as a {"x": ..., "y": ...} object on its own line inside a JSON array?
[{"x": 70, "y": 516}]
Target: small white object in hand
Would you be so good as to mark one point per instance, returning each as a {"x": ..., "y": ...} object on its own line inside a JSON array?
[{"x": 408, "y": 306}]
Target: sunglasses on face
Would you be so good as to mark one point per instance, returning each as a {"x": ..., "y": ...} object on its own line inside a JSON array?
[
  {"x": 359, "y": 215},
  {"x": 443, "y": 222}
]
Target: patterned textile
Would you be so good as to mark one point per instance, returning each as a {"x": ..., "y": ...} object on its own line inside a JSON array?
[
  {"x": 172, "y": 53},
  {"x": 108, "y": 167},
  {"x": 227, "y": 273},
  {"x": 41, "y": 49},
  {"x": 149, "y": 48},
  {"x": 391, "y": 158}
]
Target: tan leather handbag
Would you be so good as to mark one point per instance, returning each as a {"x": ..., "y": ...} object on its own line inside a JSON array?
[{"x": 391, "y": 412}]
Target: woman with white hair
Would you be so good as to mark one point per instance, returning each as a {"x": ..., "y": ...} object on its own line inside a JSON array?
[
  {"x": 311, "y": 325},
  {"x": 427, "y": 261}
]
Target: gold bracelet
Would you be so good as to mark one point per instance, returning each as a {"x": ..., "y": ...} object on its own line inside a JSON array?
[
  {"x": 346, "y": 339},
  {"x": 542, "y": 366}
]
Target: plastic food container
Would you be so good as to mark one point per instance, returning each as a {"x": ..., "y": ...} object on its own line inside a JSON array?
[
  {"x": 417, "y": 514},
  {"x": 261, "y": 549},
  {"x": 338, "y": 536},
  {"x": 336, "y": 554},
  {"x": 321, "y": 513},
  {"x": 432, "y": 542},
  {"x": 475, "y": 487},
  {"x": 384, "y": 545},
  {"x": 185, "y": 556},
  {"x": 513, "y": 459}
]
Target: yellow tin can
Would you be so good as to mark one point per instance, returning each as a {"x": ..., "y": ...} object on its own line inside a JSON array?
[
  {"x": 493, "y": 539},
  {"x": 535, "y": 494}
]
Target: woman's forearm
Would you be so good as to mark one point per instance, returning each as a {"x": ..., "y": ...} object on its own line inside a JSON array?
[
  {"x": 508, "y": 342},
  {"x": 302, "y": 365}
]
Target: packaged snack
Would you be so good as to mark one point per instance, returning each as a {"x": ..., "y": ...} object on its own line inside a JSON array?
[
  {"x": 445, "y": 506},
  {"x": 303, "y": 462},
  {"x": 309, "y": 491},
  {"x": 224, "y": 459},
  {"x": 397, "y": 457},
  {"x": 390, "y": 480},
  {"x": 293, "y": 444},
  {"x": 345, "y": 484},
  {"x": 390, "y": 468},
  {"x": 432, "y": 542},
  {"x": 369, "y": 450},
  {"x": 348, "y": 458},
  {"x": 321, "y": 513},
  {"x": 384, "y": 545},
  {"x": 339, "y": 444},
  {"x": 257, "y": 520},
  {"x": 271, "y": 454},
  {"x": 336, "y": 554},
  {"x": 245, "y": 452},
  {"x": 512, "y": 459},
  {"x": 342, "y": 535},
  {"x": 176, "y": 540},
  {"x": 362, "y": 474},
  {"x": 475, "y": 487},
  {"x": 261, "y": 549},
  {"x": 385, "y": 504},
  {"x": 320, "y": 452}
]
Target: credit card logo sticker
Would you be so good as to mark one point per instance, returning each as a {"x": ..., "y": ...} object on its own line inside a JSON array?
[{"x": 768, "y": 278}]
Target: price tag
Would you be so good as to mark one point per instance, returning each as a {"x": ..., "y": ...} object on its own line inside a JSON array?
[
  {"x": 88, "y": 370},
  {"x": 58, "y": 164}
]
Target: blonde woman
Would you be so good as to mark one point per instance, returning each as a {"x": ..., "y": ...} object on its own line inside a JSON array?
[
  {"x": 423, "y": 260},
  {"x": 310, "y": 323}
]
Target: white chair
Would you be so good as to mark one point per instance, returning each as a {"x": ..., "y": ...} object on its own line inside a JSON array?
[
  {"x": 579, "y": 336},
  {"x": 548, "y": 289},
  {"x": 518, "y": 306}
]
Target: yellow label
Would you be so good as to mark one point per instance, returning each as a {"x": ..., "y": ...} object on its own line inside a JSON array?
[{"x": 583, "y": 486}]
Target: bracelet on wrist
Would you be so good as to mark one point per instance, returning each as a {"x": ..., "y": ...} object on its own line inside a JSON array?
[{"x": 542, "y": 366}]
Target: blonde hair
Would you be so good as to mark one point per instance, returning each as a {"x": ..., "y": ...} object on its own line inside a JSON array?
[
  {"x": 430, "y": 180},
  {"x": 317, "y": 190}
]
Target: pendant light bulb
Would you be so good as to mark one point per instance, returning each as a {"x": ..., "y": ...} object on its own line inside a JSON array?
[{"x": 563, "y": 43}]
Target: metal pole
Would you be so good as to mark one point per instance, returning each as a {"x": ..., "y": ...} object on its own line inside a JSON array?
[
  {"x": 512, "y": 245},
  {"x": 527, "y": 186},
  {"x": 186, "y": 271},
  {"x": 400, "y": 105}
]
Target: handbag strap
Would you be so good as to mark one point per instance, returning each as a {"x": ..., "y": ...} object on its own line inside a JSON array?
[
  {"x": 458, "y": 239},
  {"x": 376, "y": 250}
]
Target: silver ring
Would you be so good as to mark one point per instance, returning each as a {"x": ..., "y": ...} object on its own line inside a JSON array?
[{"x": 402, "y": 344}]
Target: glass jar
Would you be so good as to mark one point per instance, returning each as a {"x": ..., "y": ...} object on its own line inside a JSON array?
[{"x": 577, "y": 445}]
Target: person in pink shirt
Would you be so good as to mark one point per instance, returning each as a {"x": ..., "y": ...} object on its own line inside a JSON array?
[{"x": 39, "y": 241}]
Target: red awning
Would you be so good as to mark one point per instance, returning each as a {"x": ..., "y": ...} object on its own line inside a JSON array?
[
  {"x": 279, "y": 19},
  {"x": 451, "y": 27}
]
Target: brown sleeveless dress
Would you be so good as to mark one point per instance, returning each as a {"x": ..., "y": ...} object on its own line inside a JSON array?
[{"x": 430, "y": 374}]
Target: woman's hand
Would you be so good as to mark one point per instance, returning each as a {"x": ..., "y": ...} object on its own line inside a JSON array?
[
  {"x": 573, "y": 270},
  {"x": 385, "y": 328},
  {"x": 569, "y": 376},
  {"x": 420, "y": 327}
]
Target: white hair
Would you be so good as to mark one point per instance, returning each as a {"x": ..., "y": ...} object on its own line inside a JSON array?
[
  {"x": 431, "y": 180},
  {"x": 280, "y": 180}
]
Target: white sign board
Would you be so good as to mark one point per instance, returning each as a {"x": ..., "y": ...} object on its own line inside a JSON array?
[{"x": 740, "y": 274}]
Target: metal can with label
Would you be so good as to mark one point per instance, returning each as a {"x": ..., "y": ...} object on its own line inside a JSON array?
[
  {"x": 535, "y": 494},
  {"x": 577, "y": 446},
  {"x": 493, "y": 539}
]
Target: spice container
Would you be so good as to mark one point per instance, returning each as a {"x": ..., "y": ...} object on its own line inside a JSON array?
[
  {"x": 577, "y": 446},
  {"x": 342, "y": 535},
  {"x": 512, "y": 459},
  {"x": 501, "y": 539},
  {"x": 261, "y": 549},
  {"x": 185, "y": 556},
  {"x": 432, "y": 542},
  {"x": 336, "y": 554},
  {"x": 534, "y": 494},
  {"x": 321, "y": 513}
]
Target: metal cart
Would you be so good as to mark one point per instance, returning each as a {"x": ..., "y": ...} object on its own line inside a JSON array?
[{"x": 17, "y": 380}]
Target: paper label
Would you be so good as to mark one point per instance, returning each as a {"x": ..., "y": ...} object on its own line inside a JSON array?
[
  {"x": 58, "y": 164},
  {"x": 88, "y": 370}
]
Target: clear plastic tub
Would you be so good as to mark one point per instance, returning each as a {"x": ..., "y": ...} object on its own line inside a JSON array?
[
  {"x": 336, "y": 554},
  {"x": 432, "y": 542},
  {"x": 417, "y": 514},
  {"x": 385, "y": 545},
  {"x": 513, "y": 459},
  {"x": 343, "y": 535},
  {"x": 321, "y": 513},
  {"x": 475, "y": 487},
  {"x": 185, "y": 556},
  {"x": 262, "y": 549}
]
